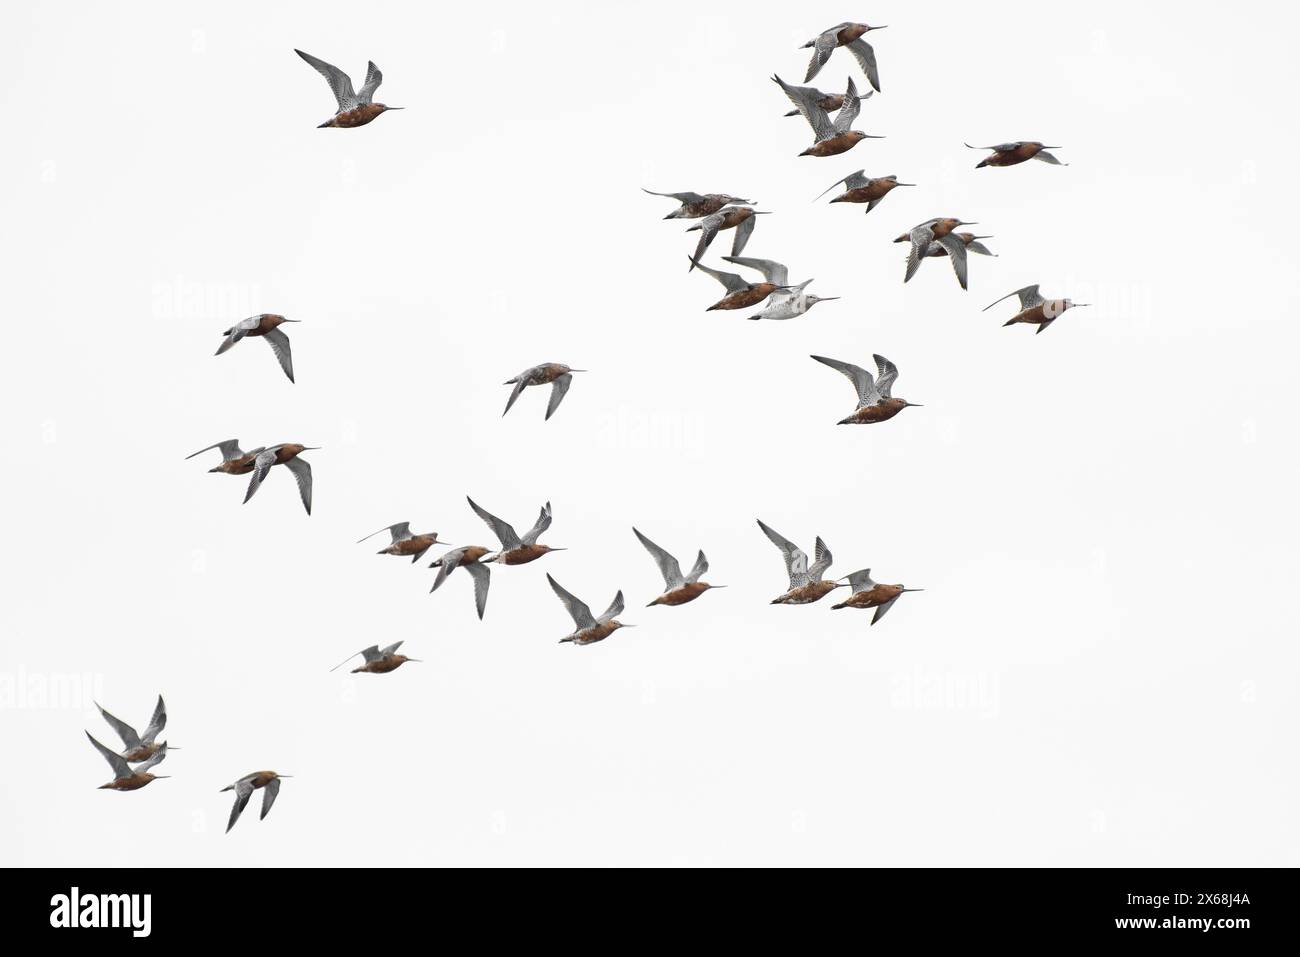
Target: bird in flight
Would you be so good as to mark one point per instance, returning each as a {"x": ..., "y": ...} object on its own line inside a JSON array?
[
  {"x": 833, "y": 137},
  {"x": 234, "y": 460},
  {"x": 404, "y": 543},
  {"x": 869, "y": 594},
  {"x": 739, "y": 218},
  {"x": 806, "y": 582},
  {"x": 244, "y": 789},
  {"x": 875, "y": 404},
  {"x": 844, "y": 35},
  {"x": 466, "y": 557},
  {"x": 267, "y": 326},
  {"x": 587, "y": 628},
  {"x": 695, "y": 206},
  {"x": 741, "y": 294},
  {"x": 139, "y": 747},
  {"x": 124, "y": 779},
  {"x": 516, "y": 550},
  {"x": 678, "y": 588},
  {"x": 377, "y": 661},
  {"x": 1013, "y": 154},
  {"x": 355, "y": 108},
  {"x": 935, "y": 231},
  {"x": 787, "y": 302},
  {"x": 859, "y": 189},
  {"x": 1036, "y": 310},
  {"x": 288, "y": 456},
  {"x": 560, "y": 375}
]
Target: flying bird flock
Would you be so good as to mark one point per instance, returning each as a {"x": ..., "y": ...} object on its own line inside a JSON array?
[{"x": 762, "y": 287}]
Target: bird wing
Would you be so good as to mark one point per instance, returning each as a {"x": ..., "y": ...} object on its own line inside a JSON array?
[
  {"x": 261, "y": 467},
  {"x": 269, "y": 794},
  {"x": 821, "y": 563},
  {"x": 861, "y": 580},
  {"x": 578, "y": 611},
  {"x": 1047, "y": 157},
  {"x": 743, "y": 232},
  {"x": 698, "y": 569},
  {"x": 852, "y": 181},
  {"x": 863, "y": 383},
  {"x": 279, "y": 344},
  {"x": 373, "y": 79},
  {"x": 668, "y": 566},
  {"x": 156, "y": 723},
  {"x": 886, "y": 373},
  {"x": 520, "y": 384},
  {"x": 558, "y": 388},
  {"x": 957, "y": 253},
  {"x": 849, "y": 111},
  {"x": 229, "y": 450},
  {"x": 808, "y": 102},
  {"x": 729, "y": 280},
  {"x": 708, "y": 229},
  {"x": 975, "y": 246},
  {"x": 1029, "y": 298},
  {"x": 683, "y": 198},
  {"x": 823, "y": 47},
  {"x": 446, "y": 565},
  {"x": 541, "y": 525},
  {"x": 774, "y": 272},
  {"x": 370, "y": 654},
  {"x": 482, "y": 579},
  {"x": 340, "y": 83},
  {"x": 390, "y": 649},
  {"x": 882, "y": 608},
  {"x": 399, "y": 532},
  {"x": 302, "y": 475},
  {"x": 867, "y": 60},
  {"x": 508, "y": 536},
  {"x": 796, "y": 560},
  {"x": 120, "y": 768},
  {"x": 152, "y": 761},
  {"x": 124, "y": 731},
  {"x": 613, "y": 611},
  {"x": 243, "y": 791},
  {"x": 999, "y": 148},
  {"x": 921, "y": 237}
]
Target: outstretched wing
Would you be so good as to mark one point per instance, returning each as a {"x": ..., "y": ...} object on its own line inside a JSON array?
[
  {"x": 613, "y": 611},
  {"x": 796, "y": 560},
  {"x": 957, "y": 253},
  {"x": 808, "y": 102},
  {"x": 482, "y": 579},
  {"x": 340, "y": 83},
  {"x": 243, "y": 791},
  {"x": 302, "y": 475},
  {"x": 774, "y": 272},
  {"x": 229, "y": 450},
  {"x": 698, "y": 569},
  {"x": 861, "y": 581},
  {"x": 508, "y": 536},
  {"x": 558, "y": 389},
  {"x": 882, "y": 608},
  {"x": 1028, "y": 296},
  {"x": 730, "y": 281},
  {"x": 849, "y": 111},
  {"x": 390, "y": 649},
  {"x": 577, "y": 610},
  {"x": 261, "y": 468},
  {"x": 115, "y": 760},
  {"x": 156, "y": 723},
  {"x": 743, "y": 232},
  {"x": 821, "y": 563},
  {"x": 887, "y": 372},
  {"x": 921, "y": 237},
  {"x": 541, "y": 525},
  {"x": 269, "y": 794},
  {"x": 279, "y": 344},
  {"x": 124, "y": 731},
  {"x": 684, "y": 198},
  {"x": 863, "y": 383},
  {"x": 823, "y": 47},
  {"x": 867, "y": 60},
  {"x": 373, "y": 79},
  {"x": 668, "y": 566}
]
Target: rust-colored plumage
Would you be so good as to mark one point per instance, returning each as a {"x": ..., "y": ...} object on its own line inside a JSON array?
[
  {"x": 745, "y": 298},
  {"x": 680, "y": 596},
  {"x": 840, "y": 143},
  {"x": 1013, "y": 154},
  {"x": 806, "y": 594}
]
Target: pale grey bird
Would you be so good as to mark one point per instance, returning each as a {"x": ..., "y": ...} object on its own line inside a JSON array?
[
  {"x": 806, "y": 581},
  {"x": 787, "y": 302},
  {"x": 124, "y": 779},
  {"x": 559, "y": 375},
  {"x": 404, "y": 543},
  {"x": 267, "y": 326},
  {"x": 875, "y": 404},
  {"x": 859, "y": 188},
  {"x": 832, "y": 137},
  {"x": 830, "y": 102},
  {"x": 355, "y": 108},
  {"x": 936, "y": 231},
  {"x": 844, "y": 35},
  {"x": 139, "y": 747},
  {"x": 587, "y": 628},
  {"x": 696, "y": 206},
  {"x": 516, "y": 550},
  {"x": 1020, "y": 151},
  {"x": 234, "y": 460},
  {"x": 1036, "y": 310},
  {"x": 377, "y": 661},
  {"x": 869, "y": 594},
  {"x": 678, "y": 588},
  {"x": 286, "y": 455},
  {"x": 467, "y": 557},
  {"x": 244, "y": 788},
  {"x": 739, "y": 218}
]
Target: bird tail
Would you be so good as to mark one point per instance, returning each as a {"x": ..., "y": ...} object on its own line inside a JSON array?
[
  {"x": 1009, "y": 322},
  {"x": 326, "y": 124},
  {"x": 981, "y": 164}
]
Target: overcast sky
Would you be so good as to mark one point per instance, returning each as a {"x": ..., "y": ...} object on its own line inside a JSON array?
[{"x": 1102, "y": 668}]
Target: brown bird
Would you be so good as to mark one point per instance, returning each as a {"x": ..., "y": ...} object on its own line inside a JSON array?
[
  {"x": 139, "y": 747},
  {"x": 740, "y": 293},
  {"x": 935, "y": 231},
  {"x": 868, "y": 594},
  {"x": 1036, "y": 310},
  {"x": 286, "y": 455},
  {"x": 244, "y": 789},
  {"x": 875, "y": 404},
  {"x": 835, "y": 137},
  {"x": 806, "y": 582},
  {"x": 1012, "y": 154},
  {"x": 124, "y": 779},
  {"x": 267, "y": 326},
  {"x": 466, "y": 557},
  {"x": 969, "y": 240},
  {"x": 695, "y": 206},
  {"x": 830, "y": 102},
  {"x": 844, "y": 35},
  {"x": 678, "y": 588},
  {"x": 234, "y": 460},
  {"x": 859, "y": 189},
  {"x": 559, "y": 375},
  {"x": 355, "y": 109},
  {"x": 377, "y": 661},
  {"x": 587, "y": 628},
  {"x": 516, "y": 550},
  {"x": 404, "y": 543},
  {"x": 739, "y": 218}
]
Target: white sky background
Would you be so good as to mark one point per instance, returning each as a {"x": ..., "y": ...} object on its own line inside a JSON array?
[{"x": 1102, "y": 669}]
